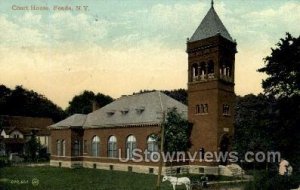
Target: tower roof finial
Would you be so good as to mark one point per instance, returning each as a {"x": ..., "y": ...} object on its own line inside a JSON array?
[{"x": 212, "y": 3}]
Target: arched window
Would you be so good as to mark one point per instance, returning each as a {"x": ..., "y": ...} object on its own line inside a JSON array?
[
  {"x": 112, "y": 147},
  {"x": 202, "y": 69},
  {"x": 76, "y": 148},
  {"x": 152, "y": 146},
  {"x": 210, "y": 68},
  {"x": 195, "y": 70},
  {"x": 95, "y": 146},
  {"x": 130, "y": 146},
  {"x": 63, "y": 148},
  {"x": 58, "y": 147}
]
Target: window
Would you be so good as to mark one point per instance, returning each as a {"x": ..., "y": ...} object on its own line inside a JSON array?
[
  {"x": 151, "y": 170},
  {"x": 201, "y": 108},
  {"x": 226, "y": 69},
  {"x": 205, "y": 108},
  {"x": 63, "y": 148},
  {"x": 85, "y": 146},
  {"x": 202, "y": 69},
  {"x": 58, "y": 147},
  {"x": 197, "y": 108},
  {"x": 95, "y": 146},
  {"x": 76, "y": 148},
  {"x": 124, "y": 111},
  {"x": 226, "y": 109},
  {"x": 151, "y": 146},
  {"x": 194, "y": 70},
  {"x": 112, "y": 147},
  {"x": 201, "y": 170},
  {"x": 130, "y": 146},
  {"x": 210, "y": 70}
]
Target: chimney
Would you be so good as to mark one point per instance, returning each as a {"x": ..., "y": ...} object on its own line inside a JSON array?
[{"x": 95, "y": 105}]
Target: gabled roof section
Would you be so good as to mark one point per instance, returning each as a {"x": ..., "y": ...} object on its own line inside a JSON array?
[
  {"x": 76, "y": 120},
  {"x": 25, "y": 124},
  {"x": 210, "y": 26},
  {"x": 135, "y": 110}
]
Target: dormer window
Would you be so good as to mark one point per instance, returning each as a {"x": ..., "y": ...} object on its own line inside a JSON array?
[
  {"x": 140, "y": 110},
  {"x": 124, "y": 111},
  {"x": 110, "y": 113}
]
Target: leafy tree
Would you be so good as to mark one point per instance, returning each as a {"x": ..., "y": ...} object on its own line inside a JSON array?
[
  {"x": 23, "y": 102},
  {"x": 4, "y": 94},
  {"x": 83, "y": 103},
  {"x": 283, "y": 68},
  {"x": 32, "y": 147},
  {"x": 253, "y": 124},
  {"x": 283, "y": 82},
  {"x": 178, "y": 94},
  {"x": 177, "y": 132}
]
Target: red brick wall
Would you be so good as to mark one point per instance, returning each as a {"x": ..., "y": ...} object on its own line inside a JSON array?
[
  {"x": 70, "y": 135},
  {"x": 209, "y": 128},
  {"x": 141, "y": 134}
]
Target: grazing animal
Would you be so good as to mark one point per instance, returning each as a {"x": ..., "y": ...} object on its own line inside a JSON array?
[{"x": 178, "y": 181}]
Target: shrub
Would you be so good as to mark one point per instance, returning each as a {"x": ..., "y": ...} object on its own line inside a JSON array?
[{"x": 266, "y": 180}]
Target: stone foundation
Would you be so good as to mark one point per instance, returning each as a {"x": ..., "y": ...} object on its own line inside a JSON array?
[{"x": 184, "y": 169}]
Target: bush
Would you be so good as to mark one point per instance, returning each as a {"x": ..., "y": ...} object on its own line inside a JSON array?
[
  {"x": 266, "y": 180},
  {"x": 4, "y": 162}
]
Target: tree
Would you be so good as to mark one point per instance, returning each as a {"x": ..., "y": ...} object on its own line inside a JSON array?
[
  {"x": 283, "y": 68},
  {"x": 283, "y": 82},
  {"x": 32, "y": 147},
  {"x": 83, "y": 103},
  {"x": 174, "y": 136},
  {"x": 253, "y": 124},
  {"x": 178, "y": 94},
  {"x": 23, "y": 102},
  {"x": 177, "y": 132}
]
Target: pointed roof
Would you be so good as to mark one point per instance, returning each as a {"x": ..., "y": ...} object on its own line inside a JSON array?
[
  {"x": 76, "y": 120},
  {"x": 139, "y": 109},
  {"x": 133, "y": 110},
  {"x": 210, "y": 26}
]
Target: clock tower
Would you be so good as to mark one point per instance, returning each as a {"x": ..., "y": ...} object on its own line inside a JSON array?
[{"x": 211, "y": 62}]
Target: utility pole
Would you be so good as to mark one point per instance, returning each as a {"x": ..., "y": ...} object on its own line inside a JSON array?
[{"x": 162, "y": 139}]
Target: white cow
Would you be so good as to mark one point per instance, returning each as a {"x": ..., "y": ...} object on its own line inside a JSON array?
[{"x": 178, "y": 181}]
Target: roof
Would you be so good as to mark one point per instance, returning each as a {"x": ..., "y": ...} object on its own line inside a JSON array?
[
  {"x": 25, "y": 124},
  {"x": 76, "y": 120},
  {"x": 134, "y": 110},
  {"x": 210, "y": 26}
]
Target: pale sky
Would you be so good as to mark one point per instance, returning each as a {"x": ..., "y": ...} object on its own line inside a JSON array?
[{"x": 118, "y": 47}]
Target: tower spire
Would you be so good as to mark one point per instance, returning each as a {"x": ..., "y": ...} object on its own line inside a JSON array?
[{"x": 212, "y": 3}]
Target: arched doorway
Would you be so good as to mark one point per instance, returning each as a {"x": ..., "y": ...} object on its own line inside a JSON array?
[{"x": 224, "y": 147}]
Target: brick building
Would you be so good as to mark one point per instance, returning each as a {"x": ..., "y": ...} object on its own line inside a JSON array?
[{"x": 93, "y": 140}]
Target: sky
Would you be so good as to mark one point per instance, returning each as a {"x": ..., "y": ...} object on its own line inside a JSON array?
[{"x": 118, "y": 47}]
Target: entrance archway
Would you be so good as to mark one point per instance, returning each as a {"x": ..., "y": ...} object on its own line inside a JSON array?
[{"x": 224, "y": 147}]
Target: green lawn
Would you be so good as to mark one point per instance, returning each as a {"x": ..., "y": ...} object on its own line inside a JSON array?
[{"x": 65, "y": 179}]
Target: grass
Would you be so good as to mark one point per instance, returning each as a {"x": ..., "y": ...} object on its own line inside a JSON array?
[
  {"x": 83, "y": 178},
  {"x": 22, "y": 177}
]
